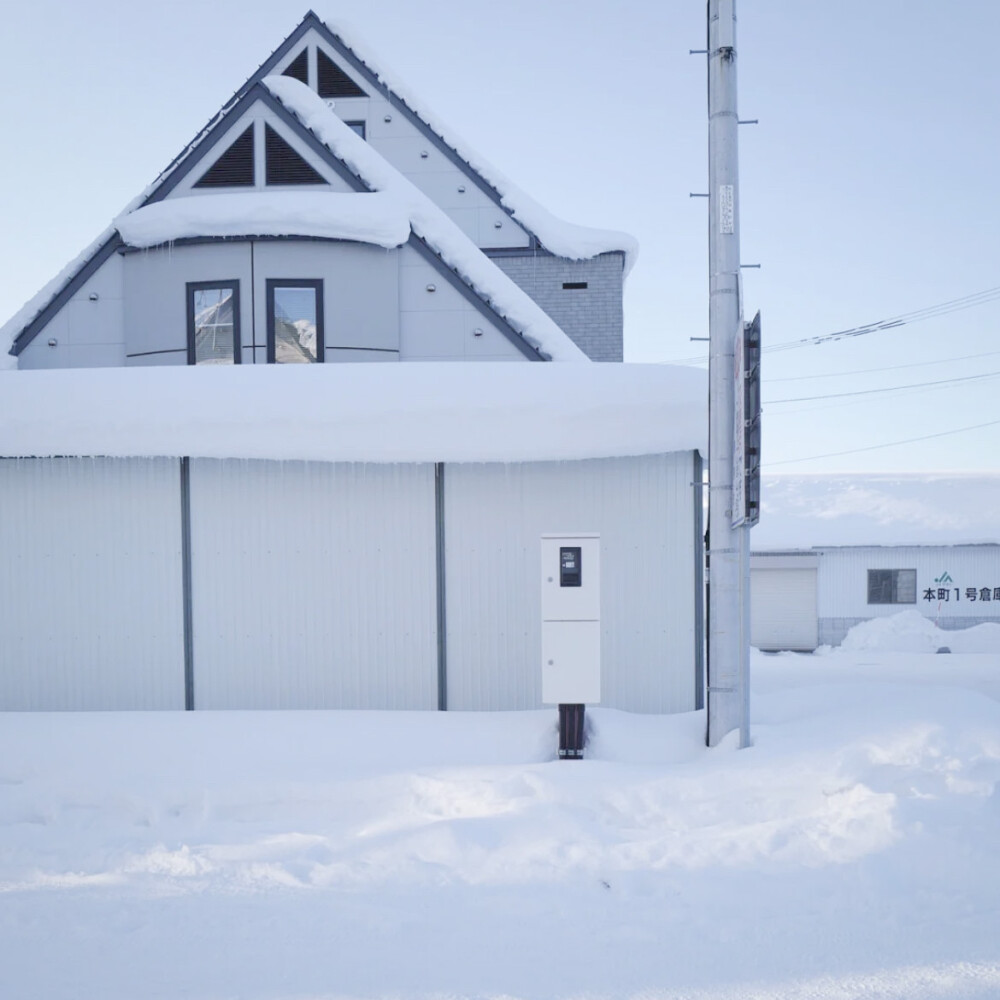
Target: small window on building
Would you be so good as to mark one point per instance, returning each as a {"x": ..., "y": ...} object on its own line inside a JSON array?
[
  {"x": 234, "y": 168},
  {"x": 574, "y": 284},
  {"x": 213, "y": 316},
  {"x": 892, "y": 586},
  {"x": 358, "y": 127},
  {"x": 333, "y": 81},
  {"x": 294, "y": 321},
  {"x": 284, "y": 165},
  {"x": 298, "y": 68}
]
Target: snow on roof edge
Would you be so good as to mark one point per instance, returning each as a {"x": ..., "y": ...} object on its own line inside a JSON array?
[
  {"x": 565, "y": 239},
  {"x": 429, "y": 222},
  {"x": 407, "y": 412},
  {"x": 377, "y": 218}
]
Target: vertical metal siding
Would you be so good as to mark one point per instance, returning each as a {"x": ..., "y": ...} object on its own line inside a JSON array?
[
  {"x": 843, "y": 580},
  {"x": 90, "y": 584},
  {"x": 313, "y": 585},
  {"x": 644, "y": 510}
]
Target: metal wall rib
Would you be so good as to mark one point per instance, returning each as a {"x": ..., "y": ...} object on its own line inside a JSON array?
[
  {"x": 90, "y": 595},
  {"x": 313, "y": 585},
  {"x": 644, "y": 510}
]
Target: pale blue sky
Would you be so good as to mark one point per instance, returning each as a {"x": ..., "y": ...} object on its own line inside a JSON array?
[{"x": 868, "y": 188}]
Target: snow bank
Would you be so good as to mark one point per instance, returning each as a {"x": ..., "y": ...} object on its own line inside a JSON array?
[
  {"x": 911, "y": 632},
  {"x": 418, "y": 412},
  {"x": 428, "y": 221},
  {"x": 850, "y": 852},
  {"x": 563, "y": 238},
  {"x": 368, "y": 218}
]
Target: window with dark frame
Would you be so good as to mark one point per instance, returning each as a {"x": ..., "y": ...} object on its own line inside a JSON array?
[
  {"x": 213, "y": 322},
  {"x": 332, "y": 81},
  {"x": 357, "y": 127},
  {"x": 295, "y": 333},
  {"x": 892, "y": 586}
]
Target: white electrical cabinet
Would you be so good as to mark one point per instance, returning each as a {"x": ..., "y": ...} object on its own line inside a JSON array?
[{"x": 571, "y": 619}]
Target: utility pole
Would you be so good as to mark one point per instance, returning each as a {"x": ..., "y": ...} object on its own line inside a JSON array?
[{"x": 728, "y": 546}]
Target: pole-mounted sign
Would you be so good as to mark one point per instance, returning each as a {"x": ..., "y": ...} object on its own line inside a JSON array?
[{"x": 746, "y": 427}]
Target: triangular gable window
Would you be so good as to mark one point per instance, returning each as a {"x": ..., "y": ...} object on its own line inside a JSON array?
[
  {"x": 234, "y": 168},
  {"x": 333, "y": 81},
  {"x": 284, "y": 165},
  {"x": 298, "y": 68}
]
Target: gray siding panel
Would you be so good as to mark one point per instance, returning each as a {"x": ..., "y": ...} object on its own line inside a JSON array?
[
  {"x": 592, "y": 317},
  {"x": 90, "y": 584},
  {"x": 644, "y": 511},
  {"x": 313, "y": 585}
]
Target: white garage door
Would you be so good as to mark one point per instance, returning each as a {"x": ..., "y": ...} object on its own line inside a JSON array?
[{"x": 783, "y": 609}]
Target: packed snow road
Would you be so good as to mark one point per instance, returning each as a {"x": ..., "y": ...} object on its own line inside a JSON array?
[{"x": 851, "y": 852}]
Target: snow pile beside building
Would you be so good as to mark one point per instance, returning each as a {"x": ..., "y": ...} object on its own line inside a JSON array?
[
  {"x": 911, "y": 632},
  {"x": 419, "y": 412}
]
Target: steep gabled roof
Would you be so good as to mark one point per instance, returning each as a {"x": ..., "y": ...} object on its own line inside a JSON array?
[
  {"x": 307, "y": 116},
  {"x": 565, "y": 239}
]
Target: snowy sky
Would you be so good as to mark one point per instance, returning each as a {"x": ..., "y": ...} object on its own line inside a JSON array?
[{"x": 864, "y": 191}]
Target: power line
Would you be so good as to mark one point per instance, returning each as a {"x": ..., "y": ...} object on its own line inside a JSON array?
[
  {"x": 888, "y": 444},
  {"x": 914, "y": 316},
  {"x": 889, "y": 368},
  {"x": 891, "y": 388}
]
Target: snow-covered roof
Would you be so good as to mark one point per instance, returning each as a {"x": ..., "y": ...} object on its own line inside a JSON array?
[
  {"x": 418, "y": 412},
  {"x": 429, "y": 222},
  {"x": 563, "y": 238},
  {"x": 368, "y": 218},
  {"x": 826, "y": 511}
]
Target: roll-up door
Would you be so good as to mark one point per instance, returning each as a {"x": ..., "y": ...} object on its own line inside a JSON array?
[{"x": 783, "y": 609}]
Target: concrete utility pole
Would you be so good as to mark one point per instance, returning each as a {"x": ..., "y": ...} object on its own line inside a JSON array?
[{"x": 728, "y": 559}]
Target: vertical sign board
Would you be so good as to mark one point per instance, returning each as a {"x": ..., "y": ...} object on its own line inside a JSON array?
[{"x": 746, "y": 429}]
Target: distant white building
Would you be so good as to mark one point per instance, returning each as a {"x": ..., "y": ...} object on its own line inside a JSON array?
[{"x": 801, "y": 599}]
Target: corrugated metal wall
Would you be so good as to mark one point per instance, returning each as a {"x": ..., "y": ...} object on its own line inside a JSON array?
[
  {"x": 843, "y": 580},
  {"x": 644, "y": 510},
  {"x": 313, "y": 585},
  {"x": 90, "y": 584}
]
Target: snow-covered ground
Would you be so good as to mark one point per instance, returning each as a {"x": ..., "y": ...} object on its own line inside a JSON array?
[{"x": 850, "y": 852}]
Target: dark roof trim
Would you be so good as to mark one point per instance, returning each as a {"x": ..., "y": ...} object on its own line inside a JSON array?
[
  {"x": 474, "y": 299},
  {"x": 312, "y": 21},
  {"x": 28, "y": 334},
  {"x": 256, "y": 93},
  {"x": 207, "y": 143}
]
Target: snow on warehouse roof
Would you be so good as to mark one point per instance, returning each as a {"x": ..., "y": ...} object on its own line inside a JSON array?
[
  {"x": 368, "y": 218},
  {"x": 429, "y": 222},
  {"x": 564, "y": 239},
  {"x": 417, "y": 412}
]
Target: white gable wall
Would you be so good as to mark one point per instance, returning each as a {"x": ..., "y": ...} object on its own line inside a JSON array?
[
  {"x": 455, "y": 190},
  {"x": 89, "y": 330}
]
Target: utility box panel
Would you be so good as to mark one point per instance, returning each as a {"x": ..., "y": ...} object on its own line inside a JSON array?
[{"x": 571, "y": 619}]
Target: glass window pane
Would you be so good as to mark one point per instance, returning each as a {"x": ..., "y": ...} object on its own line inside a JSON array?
[
  {"x": 294, "y": 325},
  {"x": 213, "y": 326}
]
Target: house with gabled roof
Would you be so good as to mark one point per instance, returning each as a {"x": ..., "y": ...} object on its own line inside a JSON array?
[
  {"x": 203, "y": 532},
  {"x": 323, "y": 215}
]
